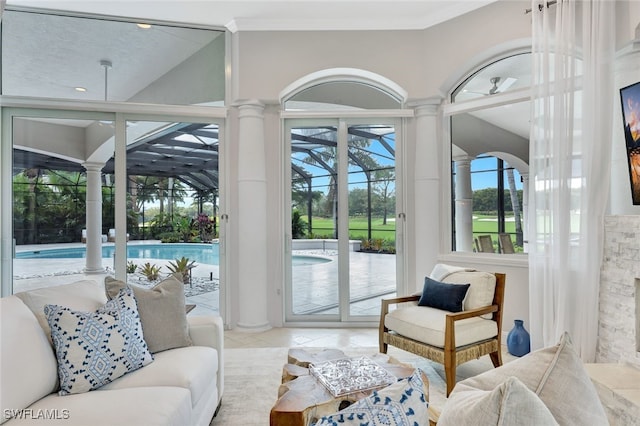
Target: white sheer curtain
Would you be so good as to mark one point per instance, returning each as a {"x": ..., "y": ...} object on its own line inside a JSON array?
[{"x": 573, "y": 50}]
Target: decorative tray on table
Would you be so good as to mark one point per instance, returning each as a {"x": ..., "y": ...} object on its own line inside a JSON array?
[{"x": 348, "y": 375}]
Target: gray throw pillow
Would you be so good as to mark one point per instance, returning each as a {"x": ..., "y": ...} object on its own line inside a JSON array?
[
  {"x": 510, "y": 404},
  {"x": 556, "y": 374},
  {"x": 162, "y": 312}
]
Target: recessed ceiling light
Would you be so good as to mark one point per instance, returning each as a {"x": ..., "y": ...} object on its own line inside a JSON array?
[
  {"x": 80, "y": 89},
  {"x": 144, "y": 26}
]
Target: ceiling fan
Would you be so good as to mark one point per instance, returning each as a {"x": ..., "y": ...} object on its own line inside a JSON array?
[
  {"x": 508, "y": 82},
  {"x": 496, "y": 86}
]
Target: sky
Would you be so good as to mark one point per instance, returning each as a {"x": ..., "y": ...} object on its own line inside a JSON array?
[{"x": 489, "y": 179}]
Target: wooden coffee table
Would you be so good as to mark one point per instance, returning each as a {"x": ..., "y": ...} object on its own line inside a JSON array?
[{"x": 302, "y": 399}]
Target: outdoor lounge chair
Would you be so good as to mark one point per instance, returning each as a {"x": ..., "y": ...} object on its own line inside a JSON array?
[
  {"x": 112, "y": 235},
  {"x": 484, "y": 244},
  {"x": 506, "y": 245}
]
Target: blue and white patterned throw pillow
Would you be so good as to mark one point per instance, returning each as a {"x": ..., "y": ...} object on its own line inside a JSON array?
[
  {"x": 95, "y": 348},
  {"x": 401, "y": 404}
]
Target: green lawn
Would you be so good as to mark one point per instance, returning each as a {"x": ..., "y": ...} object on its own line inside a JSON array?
[
  {"x": 483, "y": 224},
  {"x": 357, "y": 228},
  {"x": 323, "y": 227}
]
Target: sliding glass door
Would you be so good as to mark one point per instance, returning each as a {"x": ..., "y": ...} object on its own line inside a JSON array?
[
  {"x": 173, "y": 187},
  {"x": 342, "y": 251}
]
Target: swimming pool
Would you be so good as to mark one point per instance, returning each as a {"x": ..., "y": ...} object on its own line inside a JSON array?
[{"x": 201, "y": 253}]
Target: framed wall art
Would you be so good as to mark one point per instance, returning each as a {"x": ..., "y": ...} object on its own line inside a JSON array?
[{"x": 630, "y": 97}]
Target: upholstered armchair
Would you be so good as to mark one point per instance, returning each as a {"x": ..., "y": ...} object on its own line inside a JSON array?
[{"x": 436, "y": 331}]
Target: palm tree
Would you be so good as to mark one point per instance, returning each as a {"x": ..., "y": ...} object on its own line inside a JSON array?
[
  {"x": 143, "y": 189},
  {"x": 384, "y": 178},
  {"x": 69, "y": 189},
  {"x": 515, "y": 203},
  {"x": 324, "y": 155},
  {"x": 176, "y": 193}
]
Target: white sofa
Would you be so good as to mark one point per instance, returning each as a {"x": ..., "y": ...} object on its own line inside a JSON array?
[{"x": 180, "y": 387}]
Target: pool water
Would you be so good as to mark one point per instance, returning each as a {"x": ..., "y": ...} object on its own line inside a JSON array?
[{"x": 201, "y": 253}]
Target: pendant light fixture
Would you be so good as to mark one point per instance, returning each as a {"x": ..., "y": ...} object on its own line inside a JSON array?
[{"x": 106, "y": 64}]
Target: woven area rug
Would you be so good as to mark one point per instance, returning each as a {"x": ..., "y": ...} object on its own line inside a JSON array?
[{"x": 253, "y": 375}]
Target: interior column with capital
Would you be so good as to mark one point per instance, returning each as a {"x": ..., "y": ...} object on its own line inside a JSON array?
[
  {"x": 427, "y": 185},
  {"x": 252, "y": 222},
  {"x": 93, "y": 263},
  {"x": 463, "y": 204}
]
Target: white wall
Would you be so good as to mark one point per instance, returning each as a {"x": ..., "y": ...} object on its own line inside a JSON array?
[
  {"x": 627, "y": 21},
  {"x": 199, "y": 79},
  {"x": 516, "y": 293},
  {"x": 421, "y": 62}
]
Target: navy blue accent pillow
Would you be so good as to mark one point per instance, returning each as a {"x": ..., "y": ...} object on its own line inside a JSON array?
[{"x": 447, "y": 297}]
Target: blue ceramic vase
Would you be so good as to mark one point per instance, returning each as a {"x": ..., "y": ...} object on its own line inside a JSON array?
[{"x": 518, "y": 340}]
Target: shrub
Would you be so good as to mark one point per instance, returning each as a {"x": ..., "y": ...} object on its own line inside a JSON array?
[
  {"x": 378, "y": 245},
  {"x": 131, "y": 267},
  {"x": 169, "y": 237},
  {"x": 181, "y": 266},
  {"x": 152, "y": 272},
  {"x": 187, "y": 228},
  {"x": 298, "y": 225}
]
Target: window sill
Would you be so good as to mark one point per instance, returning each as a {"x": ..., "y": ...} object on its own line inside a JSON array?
[{"x": 520, "y": 260}]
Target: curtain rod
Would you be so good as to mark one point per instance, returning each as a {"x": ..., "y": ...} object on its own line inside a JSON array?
[{"x": 541, "y": 6}]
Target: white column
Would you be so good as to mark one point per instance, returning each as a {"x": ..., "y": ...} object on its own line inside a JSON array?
[
  {"x": 464, "y": 205},
  {"x": 252, "y": 223},
  {"x": 94, "y": 218},
  {"x": 7, "y": 242},
  {"x": 427, "y": 166},
  {"x": 525, "y": 212}
]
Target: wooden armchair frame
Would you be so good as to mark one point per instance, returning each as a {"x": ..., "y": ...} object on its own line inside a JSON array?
[{"x": 449, "y": 355}]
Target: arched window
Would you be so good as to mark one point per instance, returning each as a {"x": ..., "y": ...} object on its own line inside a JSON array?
[
  {"x": 489, "y": 129},
  {"x": 342, "y": 89}
]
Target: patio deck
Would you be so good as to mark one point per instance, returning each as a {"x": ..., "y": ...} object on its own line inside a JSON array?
[{"x": 372, "y": 276}]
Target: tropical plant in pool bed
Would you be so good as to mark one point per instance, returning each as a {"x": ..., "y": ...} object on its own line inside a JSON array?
[
  {"x": 170, "y": 237},
  {"x": 131, "y": 267},
  {"x": 181, "y": 266},
  {"x": 185, "y": 227},
  {"x": 298, "y": 225},
  {"x": 378, "y": 245},
  {"x": 206, "y": 226},
  {"x": 152, "y": 272}
]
